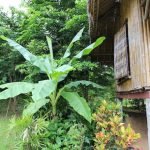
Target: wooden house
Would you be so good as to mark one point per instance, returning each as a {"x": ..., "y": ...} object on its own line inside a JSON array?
[{"x": 126, "y": 26}]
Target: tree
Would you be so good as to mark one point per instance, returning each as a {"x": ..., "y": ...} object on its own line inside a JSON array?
[{"x": 56, "y": 73}]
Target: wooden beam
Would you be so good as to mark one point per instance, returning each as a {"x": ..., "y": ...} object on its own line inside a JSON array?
[
  {"x": 138, "y": 95},
  {"x": 143, "y": 2},
  {"x": 147, "y": 7}
]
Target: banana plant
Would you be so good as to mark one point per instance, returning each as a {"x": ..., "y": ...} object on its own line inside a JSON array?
[{"x": 48, "y": 91}]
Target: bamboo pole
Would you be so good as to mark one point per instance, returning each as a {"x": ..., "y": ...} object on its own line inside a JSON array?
[
  {"x": 147, "y": 9},
  {"x": 143, "y": 2},
  {"x": 147, "y": 101}
]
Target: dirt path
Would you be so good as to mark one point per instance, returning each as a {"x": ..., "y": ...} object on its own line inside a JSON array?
[{"x": 139, "y": 124}]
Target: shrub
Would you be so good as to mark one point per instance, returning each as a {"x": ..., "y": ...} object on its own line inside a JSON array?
[
  {"x": 45, "y": 135},
  {"x": 111, "y": 133}
]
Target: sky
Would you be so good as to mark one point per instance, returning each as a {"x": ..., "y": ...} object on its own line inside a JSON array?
[{"x": 9, "y": 3}]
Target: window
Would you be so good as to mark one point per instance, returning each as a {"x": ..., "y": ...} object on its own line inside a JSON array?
[{"x": 121, "y": 54}]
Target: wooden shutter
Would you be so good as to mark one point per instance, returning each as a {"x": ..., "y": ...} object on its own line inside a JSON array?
[{"x": 121, "y": 54}]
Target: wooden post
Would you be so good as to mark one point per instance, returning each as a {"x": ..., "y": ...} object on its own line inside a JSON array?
[
  {"x": 147, "y": 102},
  {"x": 119, "y": 100}
]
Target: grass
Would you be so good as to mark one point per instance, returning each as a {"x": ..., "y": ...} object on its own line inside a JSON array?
[
  {"x": 7, "y": 142},
  {"x": 7, "y": 139}
]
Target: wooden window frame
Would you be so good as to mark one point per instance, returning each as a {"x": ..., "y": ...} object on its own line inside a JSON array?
[{"x": 128, "y": 73}]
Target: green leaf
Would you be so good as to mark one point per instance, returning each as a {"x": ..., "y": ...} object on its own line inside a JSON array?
[
  {"x": 90, "y": 48},
  {"x": 83, "y": 82},
  {"x": 61, "y": 72},
  {"x": 42, "y": 63},
  {"x": 15, "y": 89},
  {"x": 76, "y": 38},
  {"x": 34, "y": 107},
  {"x": 64, "y": 68},
  {"x": 26, "y": 54},
  {"x": 78, "y": 103},
  {"x": 49, "y": 41},
  {"x": 43, "y": 89}
]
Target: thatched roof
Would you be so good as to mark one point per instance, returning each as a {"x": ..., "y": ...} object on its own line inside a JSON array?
[
  {"x": 103, "y": 15},
  {"x": 97, "y": 10}
]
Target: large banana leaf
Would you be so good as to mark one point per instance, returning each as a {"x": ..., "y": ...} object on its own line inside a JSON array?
[
  {"x": 34, "y": 107},
  {"x": 42, "y": 63},
  {"x": 43, "y": 89},
  {"x": 15, "y": 89},
  {"x": 78, "y": 103},
  {"x": 76, "y": 38},
  {"x": 90, "y": 48},
  {"x": 26, "y": 54},
  {"x": 83, "y": 82}
]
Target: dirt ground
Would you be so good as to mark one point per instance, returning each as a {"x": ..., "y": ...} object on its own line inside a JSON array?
[{"x": 139, "y": 124}]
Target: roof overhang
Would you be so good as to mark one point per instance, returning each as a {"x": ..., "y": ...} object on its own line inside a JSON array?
[
  {"x": 102, "y": 18},
  {"x": 97, "y": 10}
]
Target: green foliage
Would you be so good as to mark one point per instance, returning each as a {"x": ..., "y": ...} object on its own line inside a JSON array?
[
  {"x": 78, "y": 103},
  {"x": 41, "y": 134},
  {"x": 56, "y": 73},
  {"x": 43, "y": 89},
  {"x": 59, "y": 20},
  {"x": 129, "y": 104},
  {"x": 89, "y": 49},
  {"x": 66, "y": 135},
  {"x": 19, "y": 124},
  {"x": 104, "y": 76},
  {"x": 15, "y": 89},
  {"x": 111, "y": 132},
  {"x": 75, "y": 39},
  {"x": 32, "y": 132},
  {"x": 29, "y": 29},
  {"x": 34, "y": 107},
  {"x": 9, "y": 26},
  {"x": 83, "y": 82}
]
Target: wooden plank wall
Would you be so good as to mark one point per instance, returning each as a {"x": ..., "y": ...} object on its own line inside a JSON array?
[
  {"x": 146, "y": 42},
  {"x": 139, "y": 45}
]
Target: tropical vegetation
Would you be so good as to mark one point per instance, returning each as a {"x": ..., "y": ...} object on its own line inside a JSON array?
[{"x": 50, "y": 92}]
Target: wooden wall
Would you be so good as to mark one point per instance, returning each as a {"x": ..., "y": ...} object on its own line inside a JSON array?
[{"x": 139, "y": 45}]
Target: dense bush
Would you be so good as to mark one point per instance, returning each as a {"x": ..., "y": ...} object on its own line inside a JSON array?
[
  {"x": 50, "y": 91},
  {"x": 111, "y": 132},
  {"x": 45, "y": 135}
]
